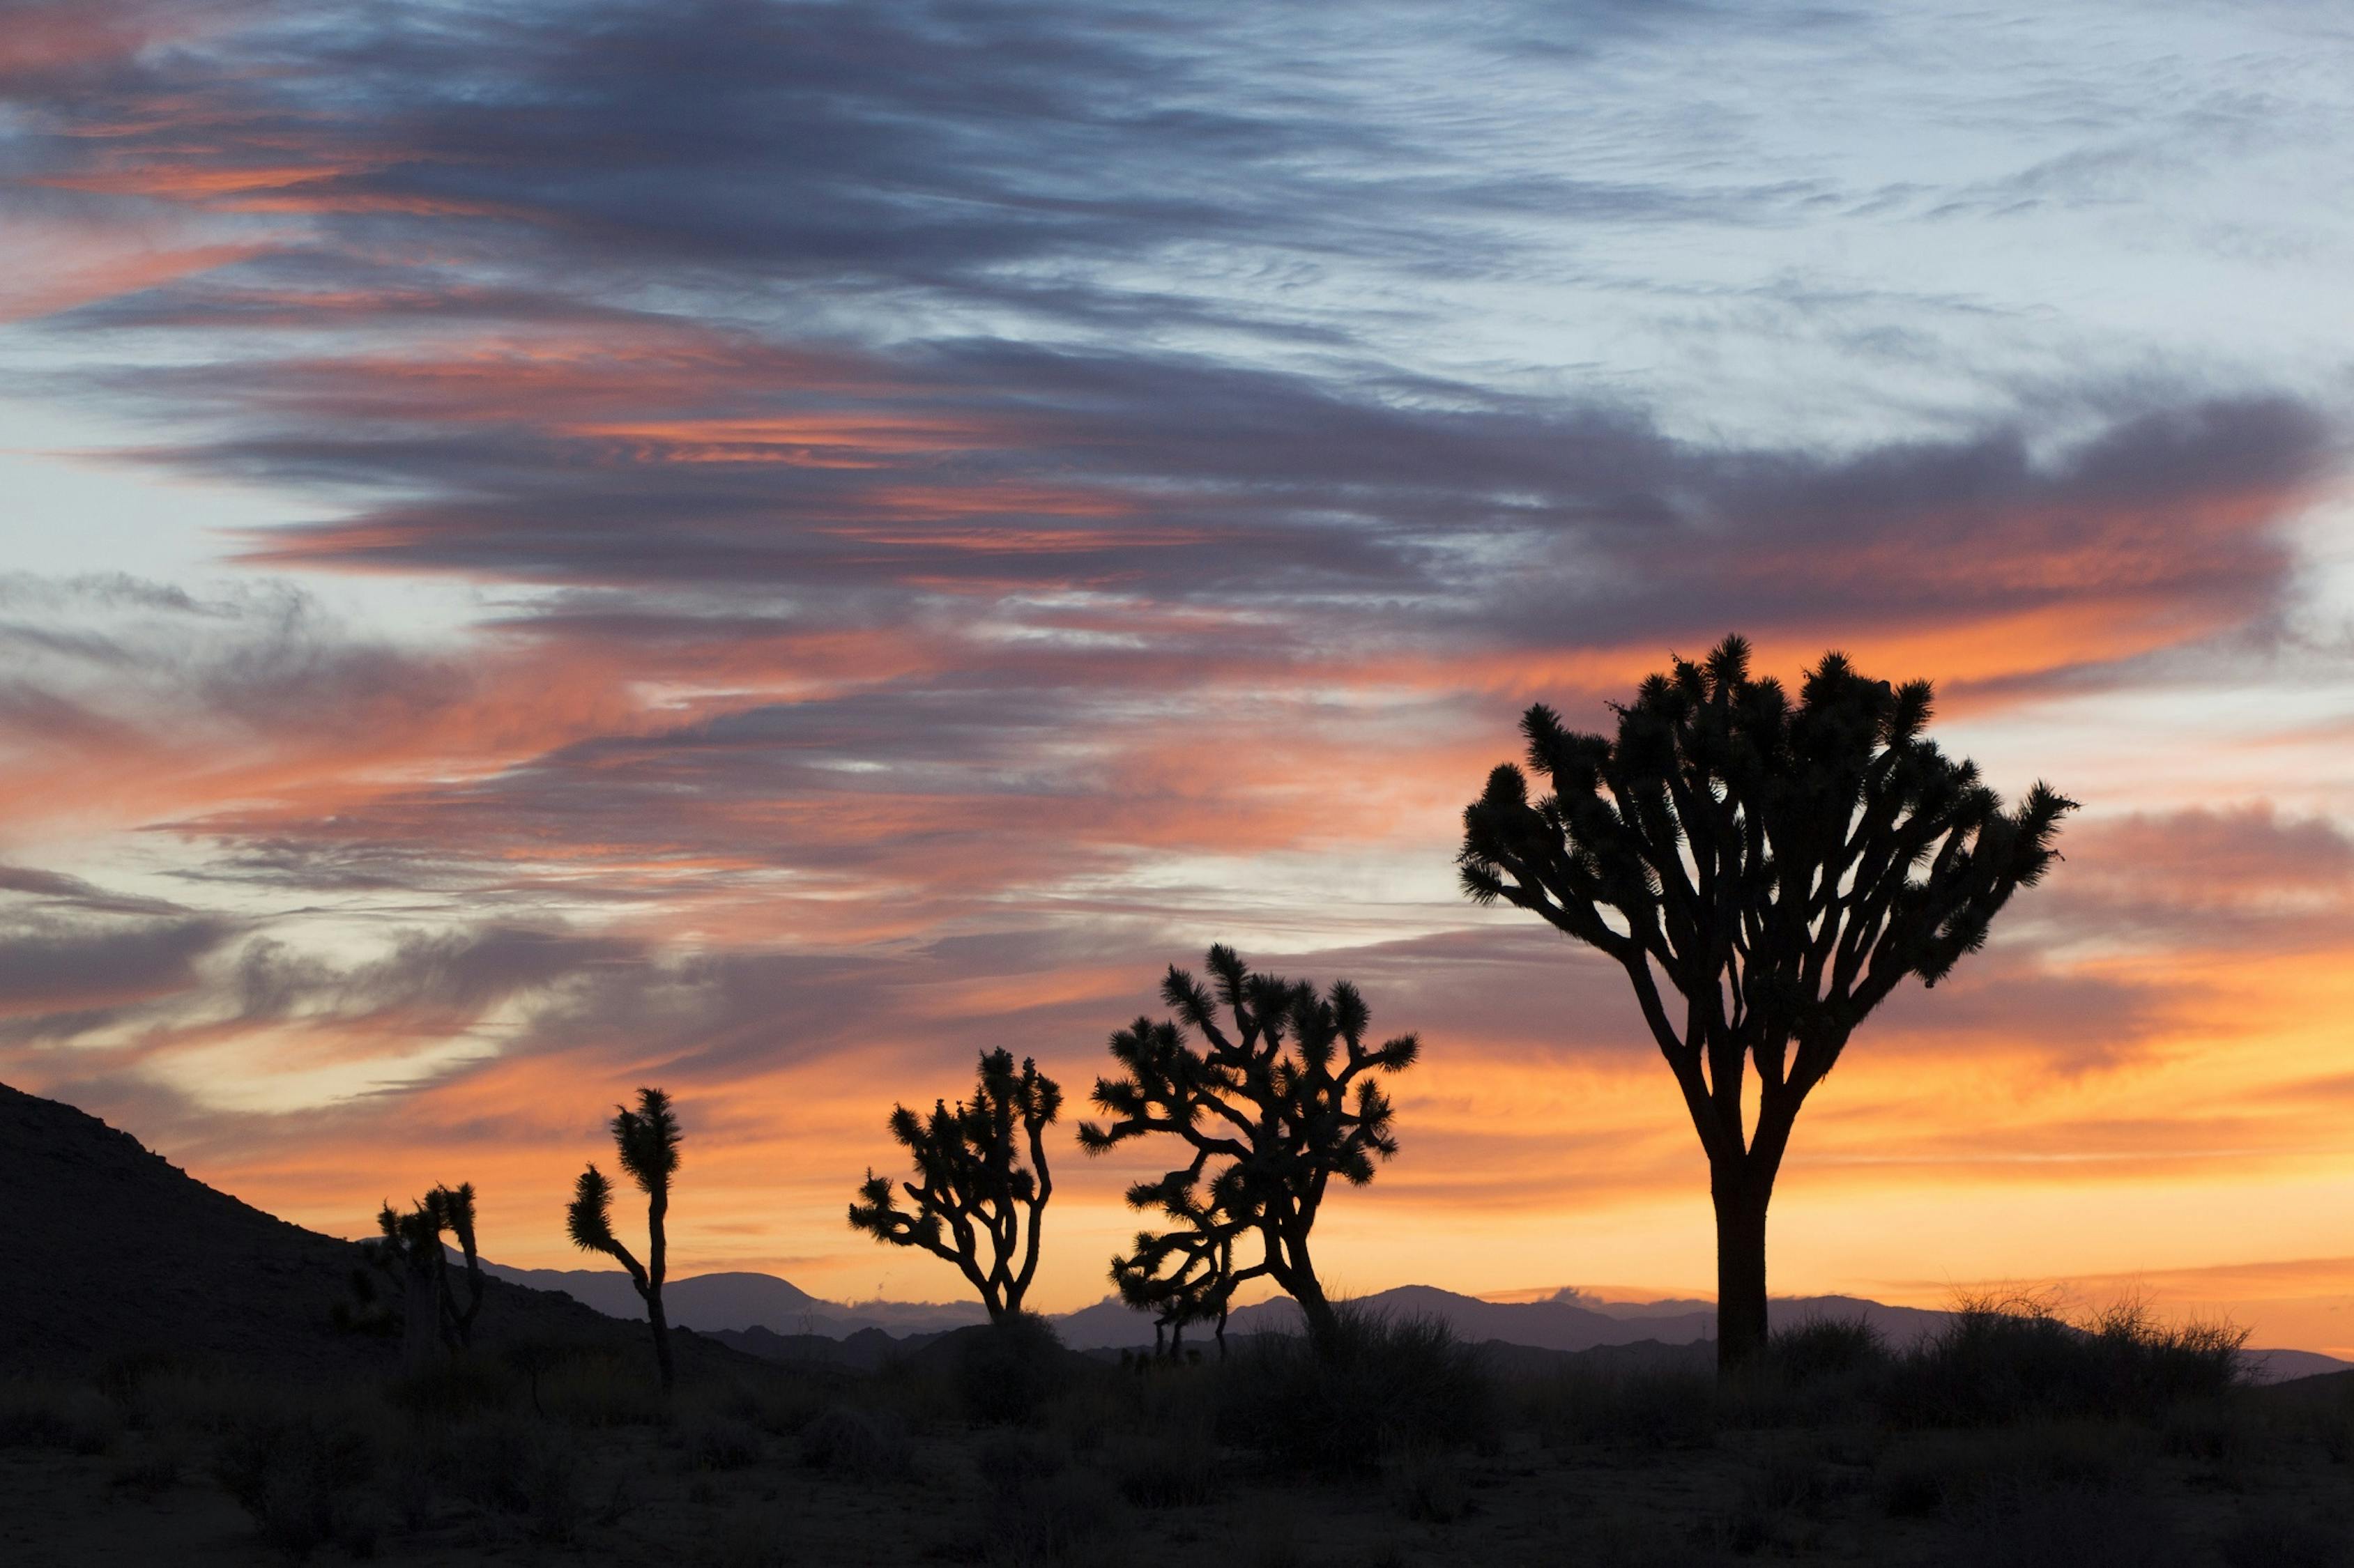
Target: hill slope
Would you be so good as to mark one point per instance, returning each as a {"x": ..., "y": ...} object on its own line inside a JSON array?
[{"x": 114, "y": 1249}]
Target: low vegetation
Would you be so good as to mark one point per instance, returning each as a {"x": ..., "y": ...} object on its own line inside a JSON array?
[{"x": 2017, "y": 1436}]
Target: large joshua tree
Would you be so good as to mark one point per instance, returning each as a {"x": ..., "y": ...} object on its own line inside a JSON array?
[
  {"x": 1766, "y": 873},
  {"x": 646, "y": 1140},
  {"x": 976, "y": 1205},
  {"x": 1278, "y": 1096}
]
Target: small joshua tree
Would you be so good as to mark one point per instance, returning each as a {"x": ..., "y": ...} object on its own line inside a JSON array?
[
  {"x": 1778, "y": 869},
  {"x": 972, "y": 1195},
  {"x": 411, "y": 1250},
  {"x": 1271, "y": 1111},
  {"x": 647, "y": 1142}
]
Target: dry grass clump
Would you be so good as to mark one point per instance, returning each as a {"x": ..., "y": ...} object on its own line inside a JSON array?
[
  {"x": 2001, "y": 1361},
  {"x": 1386, "y": 1384}
]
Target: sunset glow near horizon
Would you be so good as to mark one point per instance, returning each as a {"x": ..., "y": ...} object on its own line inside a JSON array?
[{"x": 765, "y": 548}]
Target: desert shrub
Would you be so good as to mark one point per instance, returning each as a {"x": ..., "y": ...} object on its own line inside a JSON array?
[
  {"x": 516, "y": 1466},
  {"x": 1998, "y": 1362},
  {"x": 2227, "y": 1436},
  {"x": 1790, "y": 1481},
  {"x": 870, "y": 1445},
  {"x": 155, "y": 1465},
  {"x": 1632, "y": 1407},
  {"x": 57, "y": 1415},
  {"x": 308, "y": 1477},
  {"x": 601, "y": 1389},
  {"x": 1036, "y": 1508},
  {"x": 1387, "y": 1384},
  {"x": 2064, "y": 1529},
  {"x": 2275, "y": 1541},
  {"x": 718, "y": 1441},
  {"x": 197, "y": 1399},
  {"x": 1176, "y": 1466},
  {"x": 1427, "y": 1484},
  {"x": 759, "y": 1537},
  {"x": 1825, "y": 1346},
  {"x": 458, "y": 1386},
  {"x": 1008, "y": 1371},
  {"x": 1951, "y": 1472},
  {"x": 780, "y": 1406}
]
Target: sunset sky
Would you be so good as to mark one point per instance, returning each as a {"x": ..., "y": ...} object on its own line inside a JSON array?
[{"x": 762, "y": 548}]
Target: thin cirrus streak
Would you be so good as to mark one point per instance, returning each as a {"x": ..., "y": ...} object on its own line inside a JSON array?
[{"x": 898, "y": 523}]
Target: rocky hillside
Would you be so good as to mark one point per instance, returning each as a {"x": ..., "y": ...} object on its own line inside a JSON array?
[{"x": 113, "y": 1250}]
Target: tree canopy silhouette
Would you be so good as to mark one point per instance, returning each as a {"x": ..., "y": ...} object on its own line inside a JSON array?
[
  {"x": 646, "y": 1140},
  {"x": 1273, "y": 1104},
  {"x": 1779, "y": 868},
  {"x": 973, "y": 1195}
]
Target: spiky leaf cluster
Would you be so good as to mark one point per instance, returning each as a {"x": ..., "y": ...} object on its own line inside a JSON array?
[
  {"x": 976, "y": 1203},
  {"x": 1275, "y": 1091}
]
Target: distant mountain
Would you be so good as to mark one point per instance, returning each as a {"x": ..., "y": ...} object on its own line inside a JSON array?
[
  {"x": 735, "y": 1301},
  {"x": 2280, "y": 1366},
  {"x": 114, "y": 1250},
  {"x": 768, "y": 1317}
]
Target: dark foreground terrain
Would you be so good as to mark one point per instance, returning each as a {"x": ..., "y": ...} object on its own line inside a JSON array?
[
  {"x": 981, "y": 1452},
  {"x": 173, "y": 1391}
]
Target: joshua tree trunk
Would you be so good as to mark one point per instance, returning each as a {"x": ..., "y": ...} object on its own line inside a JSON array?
[
  {"x": 420, "y": 1308},
  {"x": 1741, "y": 1201},
  {"x": 1290, "y": 1265},
  {"x": 1323, "y": 1323},
  {"x": 657, "y": 1267},
  {"x": 662, "y": 1338}
]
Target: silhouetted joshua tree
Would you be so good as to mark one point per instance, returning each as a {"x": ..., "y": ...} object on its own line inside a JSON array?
[
  {"x": 1271, "y": 1111},
  {"x": 647, "y": 1142},
  {"x": 1778, "y": 868},
  {"x": 412, "y": 1251},
  {"x": 971, "y": 1195}
]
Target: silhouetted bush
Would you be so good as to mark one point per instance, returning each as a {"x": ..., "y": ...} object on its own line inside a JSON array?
[
  {"x": 47, "y": 1415},
  {"x": 1999, "y": 1363},
  {"x": 715, "y": 1441},
  {"x": 1636, "y": 1407},
  {"x": 600, "y": 1389},
  {"x": 308, "y": 1478},
  {"x": 2271, "y": 1541},
  {"x": 1935, "y": 1474},
  {"x": 2067, "y": 1530},
  {"x": 1036, "y": 1508},
  {"x": 1383, "y": 1384},
  {"x": 520, "y": 1467},
  {"x": 1427, "y": 1484},
  {"x": 1175, "y": 1467},
  {"x": 1825, "y": 1346},
  {"x": 1007, "y": 1371},
  {"x": 155, "y": 1465},
  {"x": 870, "y": 1445},
  {"x": 779, "y": 1406},
  {"x": 464, "y": 1384}
]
